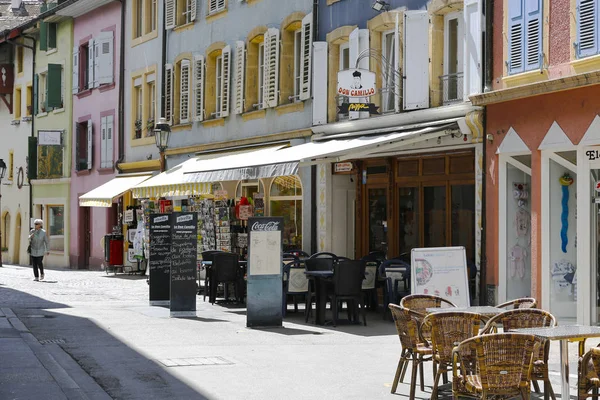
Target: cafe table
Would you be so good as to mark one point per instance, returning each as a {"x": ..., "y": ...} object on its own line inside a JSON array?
[
  {"x": 564, "y": 334},
  {"x": 322, "y": 279},
  {"x": 485, "y": 311}
]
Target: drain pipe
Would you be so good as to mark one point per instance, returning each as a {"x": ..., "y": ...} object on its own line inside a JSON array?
[
  {"x": 313, "y": 168},
  {"x": 121, "y": 157}
]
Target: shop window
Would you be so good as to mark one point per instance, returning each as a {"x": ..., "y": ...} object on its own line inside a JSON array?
[
  {"x": 376, "y": 169},
  {"x": 56, "y": 227},
  {"x": 409, "y": 219},
  {"x": 525, "y": 35},
  {"x": 434, "y": 212},
  {"x": 286, "y": 202},
  {"x": 462, "y": 218},
  {"x": 248, "y": 189},
  {"x": 377, "y": 219}
]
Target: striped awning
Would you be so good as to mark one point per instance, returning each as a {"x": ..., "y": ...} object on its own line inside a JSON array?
[
  {"x": 179, "y": 189},
  {"x": 104, "y": 195}
]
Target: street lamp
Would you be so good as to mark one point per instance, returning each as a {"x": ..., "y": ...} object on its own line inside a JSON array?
[
  {"x": 2, "y": 174},
  {"x": 380, "y": 5},
  {"x": 162, "y": 132}
]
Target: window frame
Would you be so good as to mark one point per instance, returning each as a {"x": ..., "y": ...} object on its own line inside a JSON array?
[
  {"x": 20, "y": 59},
  {"x": 261, "y": 75},
  {"x": 388, "y": 95},
  {"x": 81, "y": 147},
  {"x": 213, "y": 6},
  {"x": 298, "y": 38},
  {"x": 218, "y": 83},
  {"x": 17, "y": 103}
]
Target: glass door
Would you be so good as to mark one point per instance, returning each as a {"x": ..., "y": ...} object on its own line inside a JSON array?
[
  {"x": 409, "y": 219},
  {"x": 434, "y": 216},
  {"x": 377, "y": 219}
]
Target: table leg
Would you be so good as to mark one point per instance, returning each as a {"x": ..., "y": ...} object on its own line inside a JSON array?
[{"x": 564, "y": 366}]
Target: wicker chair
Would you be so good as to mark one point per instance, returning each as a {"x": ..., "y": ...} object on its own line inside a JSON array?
[
  {"x": 419, "y": 303},
  {"x": 529, "y": 318},
  {"x": 588, "y": 373},
  {"x": 448, "y": 329},
  {"x": 407, "y": 325},
  {"x": 494, "y": 366},
  {"x": 524, "y": 302}
]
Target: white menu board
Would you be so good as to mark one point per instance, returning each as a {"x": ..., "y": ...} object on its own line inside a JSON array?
[
  {"x": 441, "y": 271},
  {"x": 265, "y": 252}
]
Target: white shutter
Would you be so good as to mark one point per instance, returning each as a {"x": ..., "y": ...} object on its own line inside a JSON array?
[
  {"x": 169, "y": 93},
  {"x": 363, "y": 48},
  {"x": 319, "y": 81},
  {"x": 353, "y": 47},
  {"x": 75, "y": 69},
  {"x": 271, "y": 68},
  {"x": 472, "y": 64},
  {"x": 240, "y": 56},
  {"x": 184, "y": 92},
  {"x": 416, "y": 60},
  {"x": 109, "y": 140},
  {"x": 91, "y": 64},
  {"x": 90, "y": 143},
  {"x": 305, "y": 53},
  {"x": 170, "y": 16},
  {"x": 225, "y": 85},
  {"x": 193, "y": 9},
  {"x": 199, "y": 87},
  {"x": 397, "y": 104},
  {"x": 103, "y": 143},
  {"x": 105, "y": 58}
]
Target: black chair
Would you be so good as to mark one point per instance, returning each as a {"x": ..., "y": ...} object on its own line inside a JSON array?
[
  {"x": 298, "y": 253},
  {"x": 295, "y": 283},
  {"x": 378, "y": 256},
  {"x": 347, "y": 285},
  {"x": 315, "y": 264},
  {"x": 225, "y": 270},
  {"x": 396, "y": 275},
  {"x": 204, "y": 273},
  {"x": 325, "y": 254}
]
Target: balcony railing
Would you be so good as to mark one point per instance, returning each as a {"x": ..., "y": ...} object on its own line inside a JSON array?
[{"x": 452, "y": 87}]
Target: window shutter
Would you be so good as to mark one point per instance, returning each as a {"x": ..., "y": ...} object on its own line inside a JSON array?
[
  {"x": 75, "y": 69},
  {"x": 77, "y": 147},
  {"x": 109, "y": 140},
  {"x": 416, "y": 66},
  {"x": 363, "y": 48},
  {"x": 320, "y": 83},
  {"x": 587, "y": 28},
  {"x": 32, "y": 157},
  {"x": 199, "y": 87},
  {"x": 170, "y": 16},
  {"x": 193, "y": 9},
  {"x": 90, "y": 143},
  {"x": 515, "y": 36},
  {"x": 533, "y": 43},
  {"x": 52, "y": 28},
  {"x": 43, "y": 29},
  {"x": 54, "y": 85},
  {"x": 225, "y": 84},
  {"x": 353, "y": 47},
  {"x": 271, "y": 68},
  {"x": 93, "y": 64},
  {"x": 240, "y": 57},
  {"x": 306, "y": 54},
  {"x": 103, "y": 142},
  {"x": 184, "y": 92},
  {"x": 104, "y": 59},
  {"x": 472, "y": 73},
  {"x": 169, "y": 93},
  {"x": 36, "y": 79}
]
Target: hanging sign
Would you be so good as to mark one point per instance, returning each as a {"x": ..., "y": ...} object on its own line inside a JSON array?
[
  {"x": 128, "y": 217},
  {"x": 343, "y": 168},
  {"x": 356, "y": 83}
]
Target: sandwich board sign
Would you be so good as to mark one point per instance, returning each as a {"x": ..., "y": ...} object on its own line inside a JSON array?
[{"x": 441, "y": 271}]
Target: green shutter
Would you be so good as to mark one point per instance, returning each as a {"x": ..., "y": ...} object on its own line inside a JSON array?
[
  {"x": 43, "y": 30},
  {"x": 51, "y": 6},
  {"x": 32, "y": 158},
  {"x": 52, "y": 28},
  {"x": 35, "y": 94},
  {"x": 54, "y": 85}
]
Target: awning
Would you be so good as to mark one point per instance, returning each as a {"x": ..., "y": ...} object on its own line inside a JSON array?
[
  {"x": 104, "y": 195},
  {"x": 286, "y": 161}
]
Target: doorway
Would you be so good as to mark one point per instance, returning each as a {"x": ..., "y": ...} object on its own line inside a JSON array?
[
  {"x": 17, "y": 248},
  {"x": 85, "y": 237}
]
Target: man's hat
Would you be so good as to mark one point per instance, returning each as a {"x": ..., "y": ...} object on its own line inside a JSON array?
[{"x": 356, "y": 74}]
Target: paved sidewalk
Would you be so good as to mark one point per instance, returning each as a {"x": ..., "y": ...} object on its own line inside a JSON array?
[{"x": 85, "y": 334}]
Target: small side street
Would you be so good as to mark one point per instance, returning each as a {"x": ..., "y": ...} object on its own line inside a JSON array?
[{"x": 88, "y": 335}]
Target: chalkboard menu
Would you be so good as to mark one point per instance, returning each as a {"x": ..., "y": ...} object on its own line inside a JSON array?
[
  {"x": 184, "y": 250},
  {"x": 160, "y": 258}
]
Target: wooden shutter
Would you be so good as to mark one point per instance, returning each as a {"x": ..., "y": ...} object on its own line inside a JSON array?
[
  {"x": 416, "y": 60},
  {"x": 271, "y": 68},
  {"x": 587, "y": 28},
  {"x": 90, "y": 143},
  {"x": 193, "y": 9},
  {"x": 216, "y": 5},
  {"x": 363, "y": 48},
  {"x": 533, "y": 42},
  {"x": 36, "y": 80},
  {"x": 105, "y": 61},
  {"x": 43, "y": 29},
  {"x": 32, "y": 158},
  {"x": 472, "y": 64},
  {"x": 240, "y": 57},
  {"x": 516, "y": 36},
  {"x": 54, "y": 85},
  {"x": 225, "y": 83},
  {"x": 78, "y": 144},
  {"x": 184, "y": 92},
  {"x": 169, "y": 93},
  {"x": 75, "y": 69},
  {"x": 170, "y": 16},
  {"x": 306, "y": 57},
  {"x": 199, "y": 87},
  {"x": 320, "y": 83},
  {"x": 353, "y": 48},
  {"x": 93, "y": 64},
  {"x": 103, "y": 142},
  {"x": 110, "y": 126}
]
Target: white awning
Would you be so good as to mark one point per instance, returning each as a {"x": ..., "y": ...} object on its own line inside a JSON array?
[
  {"x": 104, "y": 195},
  {"x": 286, "y": 161}
]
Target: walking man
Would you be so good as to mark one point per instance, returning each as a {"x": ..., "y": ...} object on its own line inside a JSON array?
[{"x": 39, "y": 246}]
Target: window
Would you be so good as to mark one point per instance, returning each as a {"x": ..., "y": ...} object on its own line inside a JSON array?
[
  {"x": 17, "y": 103},
  {"x": 218, "y": 66},
  {"x": 261, "y": 74},
  {"x": 169, "y": 93},
  {"x": 48, "y": 30},
  {"x": 240, "y": 65},
  {"x": 286, "y": 202},
  {"x": 29, "y": 109},
  {"x": 219, "y": 96},
  {"x": 93, "y": 63},
  {"x": 452, "y": 80},
  {"x": 180, "y": 12},
  {"x": 344, "y": 63},
  {"x": 262, "y": 71},
  {"x": 138, "y": 14},
  {"x": 138, "y": 107},
  {"x": 19, "y": 59},
  {"x": 216, "y": 6},
  {"x": 84, "y": 143},
  {"x": 184, "y": 92},
  {"x": 107, "y": 141},
  {"x": 296, "y": 60},
  {"x": 144, "y": 17},
  {"x": 56, "y": 227},
  {"x": 50, "y": 161},
  {"x": 199, "y": 87},
  {"x": 587, "y": 28},
  {"x": 297, "y": 63},
  {"x": 150, "y": 105},
  {"x": 42, "y": 92},
  {"x": 50, "y": 88},
  {"x": 389, "y": 90},
  {"x": 83, "y": 58},
  {"x": 11, "y": 164},
  {"x": 525, "y": 35}
]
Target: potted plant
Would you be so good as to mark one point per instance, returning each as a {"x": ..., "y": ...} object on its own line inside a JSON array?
[
  {"x": 150, "y": 126},
  {"x": 138, "y": 129}
]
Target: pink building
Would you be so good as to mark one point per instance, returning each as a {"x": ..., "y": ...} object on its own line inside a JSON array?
[{"x": 96, "y": 61}]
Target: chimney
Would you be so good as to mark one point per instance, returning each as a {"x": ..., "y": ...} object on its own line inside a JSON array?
[{"x": 15, "y": 4}]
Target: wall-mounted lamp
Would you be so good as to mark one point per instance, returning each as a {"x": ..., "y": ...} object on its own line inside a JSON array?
[
  {"x": 380, "y": 6},
  {"x": 489, "y": 137}
]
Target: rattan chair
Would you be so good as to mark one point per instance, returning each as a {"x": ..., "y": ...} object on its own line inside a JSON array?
[
  {"x": 524, "y": 302},
  {"x": 494, "y": 366},
  {"x": 448, "y": 329},
  {"x": 407, "y": 325},
  {"x": 588, "y": 372},
  {"x": 419, "y": 303},
  {"x": 529, "y": 318}
]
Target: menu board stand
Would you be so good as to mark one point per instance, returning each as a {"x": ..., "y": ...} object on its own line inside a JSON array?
[
  {"x": 265, "y": 256},
  {"x": 441, "y": 271},
  {"x": 160, "y": 259},
  {"x": 184, "y": 249}
]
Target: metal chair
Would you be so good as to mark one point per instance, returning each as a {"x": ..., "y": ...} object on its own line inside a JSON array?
[
  {"x": 529, "y": 318},
  {"x": 325, "y": 254},
  {"x": 588, "y": 374},
  {"x": 524, "y": 302},
  {"x": 295, "y": 283}
]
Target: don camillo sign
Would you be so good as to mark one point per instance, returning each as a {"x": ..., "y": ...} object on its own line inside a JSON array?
[{"x": 356, "y": 83}]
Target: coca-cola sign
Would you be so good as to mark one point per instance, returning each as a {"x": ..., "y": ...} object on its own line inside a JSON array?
[{"x": 267, "y": 226}]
